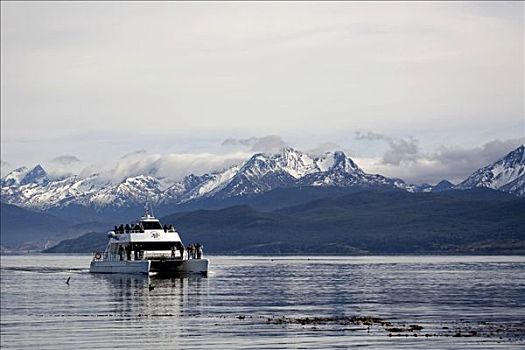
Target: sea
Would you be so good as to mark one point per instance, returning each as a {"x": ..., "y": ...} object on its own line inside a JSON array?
[{"x": 269, "y": 302}]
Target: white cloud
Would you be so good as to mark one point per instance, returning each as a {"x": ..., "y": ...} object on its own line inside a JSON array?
[
  {"x": 173, "y": 166},
  {"x": 265, "y": 144},
  {"x": 5, "y": 168},
  {"x": 66, "y": 160},
  {"x": 400, "y": 149},
  {"x": 326, "y": 147},
  {"x": 451, "y": 163},
  {"x": 401, "y": 158}
]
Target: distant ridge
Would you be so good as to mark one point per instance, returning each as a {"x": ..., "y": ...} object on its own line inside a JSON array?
[
  {"x": 19, "y": 224},
  {"x": 476, "y": 221}
]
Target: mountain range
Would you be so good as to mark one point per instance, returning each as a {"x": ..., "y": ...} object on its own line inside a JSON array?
[
  {"x": 265, "y": 183},
  {"x": 33, "y": 188}
]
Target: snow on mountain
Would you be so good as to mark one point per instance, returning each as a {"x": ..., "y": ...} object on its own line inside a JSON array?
[
  {"x": 209, "y": 184},
  {"x": 336, "y": 169},
  {"x": 499, "y": 174},
  {"x": 289, "y": 161},
  {"x": 131, "y": 191},
  {"x": 14, "y": 178},
  {"x": 43, "y": 195},
  {"x": 515, "y": 187},
  {"x": 261, "y": 173},
  {"x": 24, "y": 176},
  {"x": 36, "y": 175}
]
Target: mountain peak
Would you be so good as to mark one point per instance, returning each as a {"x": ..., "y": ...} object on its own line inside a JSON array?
[
  {"x": 14, "y": 177},
  {"x": 22, "y": 169},
  {"x": 443, "y": 185},
  {"x": 289, "y": 150},
  {"x": 517, "y": 156},
  {"x": 500, "y": 173},
  {"x": 343, "y": 163},
  {"x": 36, "y": 175}
]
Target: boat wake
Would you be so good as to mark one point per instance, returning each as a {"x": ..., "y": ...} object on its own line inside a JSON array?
[{"x": 44, "y": 269}]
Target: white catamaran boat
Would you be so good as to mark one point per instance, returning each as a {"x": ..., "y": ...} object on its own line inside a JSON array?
[{"x": 147, "y": 247}]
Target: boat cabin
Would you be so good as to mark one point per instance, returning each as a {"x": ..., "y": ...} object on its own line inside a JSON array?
[{"x": 145, "y": 239}]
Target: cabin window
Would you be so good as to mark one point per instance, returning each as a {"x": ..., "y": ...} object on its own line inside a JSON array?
[{"x": 156, "y": 245}]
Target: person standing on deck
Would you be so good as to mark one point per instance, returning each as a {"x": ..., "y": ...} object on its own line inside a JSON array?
[{"x": 199, "y": 251}]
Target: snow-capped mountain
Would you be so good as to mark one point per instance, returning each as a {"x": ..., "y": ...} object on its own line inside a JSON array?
[
  {"x": 336, "y": 169},
  {"x": 24, "y": 176},
  {"x": 516, "y": 187},
  {"x": 506, "y": 174},
  {"x": 131, "y": 191},
  {"x": 261, "y": 173},
  {"x": 46, "y": 194},
  {"x": 33, "y": 188}
]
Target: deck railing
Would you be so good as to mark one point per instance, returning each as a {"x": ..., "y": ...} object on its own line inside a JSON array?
[{"x": 144, "y": 256}]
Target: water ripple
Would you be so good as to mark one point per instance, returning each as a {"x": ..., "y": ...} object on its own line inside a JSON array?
[{"x": 231, "y": 307}]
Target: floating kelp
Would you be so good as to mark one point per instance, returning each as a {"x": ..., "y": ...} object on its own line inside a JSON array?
[
  {"x": 339, "y": 320},
  {"x": 501, "y": 330}
]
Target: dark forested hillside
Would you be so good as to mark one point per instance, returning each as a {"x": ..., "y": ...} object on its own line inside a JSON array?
[
  {"x": 19, "y": 225},
  {"x": 367, "y": 222}
]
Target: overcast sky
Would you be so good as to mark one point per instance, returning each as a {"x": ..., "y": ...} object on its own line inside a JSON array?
[{"x": 404, "y": 88}]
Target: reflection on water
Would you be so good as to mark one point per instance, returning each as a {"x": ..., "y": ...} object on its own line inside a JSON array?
[
  {"x": 144, "y": 296},
  {"x": 231, "y": 307}
]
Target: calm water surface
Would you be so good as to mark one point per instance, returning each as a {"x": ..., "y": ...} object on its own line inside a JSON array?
[{"x": 230, "y": 308}]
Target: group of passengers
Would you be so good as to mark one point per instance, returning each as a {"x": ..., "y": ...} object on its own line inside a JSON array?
[
  {"x": 128, "y": 228},
  {"x": 195, "y": 251},
  {"x": 167, "y": 228},
  {"x": 138, "y": 228},
  {"x": 127, "y": 251}
]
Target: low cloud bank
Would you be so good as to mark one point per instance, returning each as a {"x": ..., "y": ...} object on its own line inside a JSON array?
[
  {"x": 171, "y": 166},
  {"x": 401, "y": 149},
  {"x": 66, "y": 160},
  {"x": 5, "y": 168},
  {"x": 324, "y": 148},
  {"x": 265, "y": 144},
  {"x": 403, "y": 159}
]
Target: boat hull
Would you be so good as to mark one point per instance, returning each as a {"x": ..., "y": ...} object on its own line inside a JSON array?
[
  {"x": 129, "y": 267},
  {"x": 164, "y": 267},
  {"x": 174, "y": 267}
]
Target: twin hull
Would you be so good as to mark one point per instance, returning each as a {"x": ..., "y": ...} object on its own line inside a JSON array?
[{"x": 192, "y": 266}]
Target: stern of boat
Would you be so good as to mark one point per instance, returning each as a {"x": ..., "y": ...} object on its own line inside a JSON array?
[{"x": 173, "y": 266}]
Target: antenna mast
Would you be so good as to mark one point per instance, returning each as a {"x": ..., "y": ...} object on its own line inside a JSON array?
[{"x": 148, "y": 208}]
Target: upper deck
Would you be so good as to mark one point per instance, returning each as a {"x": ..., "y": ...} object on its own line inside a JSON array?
[{"x": 147, "y": 229}]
